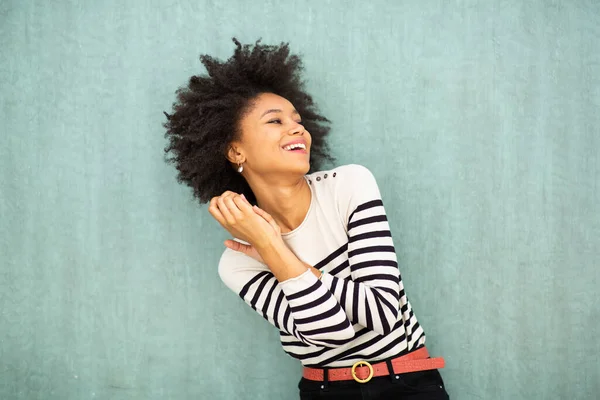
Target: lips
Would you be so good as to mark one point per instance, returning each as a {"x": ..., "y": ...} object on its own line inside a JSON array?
[{"x": 295, "y": 145}]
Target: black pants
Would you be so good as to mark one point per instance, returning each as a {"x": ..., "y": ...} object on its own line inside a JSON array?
[{"x": 422, "y": 385}]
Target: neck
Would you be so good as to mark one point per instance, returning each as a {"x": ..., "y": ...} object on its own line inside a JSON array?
[{"x": 287, "y": 200}]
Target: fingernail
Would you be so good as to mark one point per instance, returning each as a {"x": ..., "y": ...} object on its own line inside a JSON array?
[{"x": 243, "y": 196}]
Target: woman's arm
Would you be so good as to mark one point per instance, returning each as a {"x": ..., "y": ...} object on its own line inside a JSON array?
[
  {"x": 372, "y": 292},
  {"x": 286, "y": 292},
  {"x": 301, "y": 306}
]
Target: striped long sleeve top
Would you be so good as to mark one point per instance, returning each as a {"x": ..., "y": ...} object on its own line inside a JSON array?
[{"x": 358, "y": 310}]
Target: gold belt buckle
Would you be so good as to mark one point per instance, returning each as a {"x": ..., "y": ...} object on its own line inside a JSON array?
[{"x": 356, "y": 378}]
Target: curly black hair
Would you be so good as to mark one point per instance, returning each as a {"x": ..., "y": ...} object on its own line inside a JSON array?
[{"x": 206, "y": 115}]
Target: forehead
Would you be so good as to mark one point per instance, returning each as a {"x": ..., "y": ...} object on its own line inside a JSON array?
[{"x": 270, "y": 101}]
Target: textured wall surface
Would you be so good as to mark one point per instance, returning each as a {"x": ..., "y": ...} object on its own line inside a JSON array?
[{"x": 478, "y": 118}]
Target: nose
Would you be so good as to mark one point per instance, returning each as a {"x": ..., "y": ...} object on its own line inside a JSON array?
[{"x": 298, "y": 129}]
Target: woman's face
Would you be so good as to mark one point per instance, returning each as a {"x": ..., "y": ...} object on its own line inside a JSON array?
[{"x": 273, "y": 139}]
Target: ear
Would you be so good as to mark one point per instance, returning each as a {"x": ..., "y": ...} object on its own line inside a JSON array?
[{"x": 234, "y": 154}]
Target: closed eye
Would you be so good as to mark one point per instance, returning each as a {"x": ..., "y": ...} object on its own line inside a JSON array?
[{"x": 278, "y": 121}]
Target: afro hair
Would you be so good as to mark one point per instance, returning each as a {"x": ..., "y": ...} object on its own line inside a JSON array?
[{"x": 206, "y": 115}]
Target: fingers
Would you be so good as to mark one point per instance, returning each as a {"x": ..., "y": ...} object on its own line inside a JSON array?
[
  {"x": 244, "y": 248},
  {"x": 238, "y": 200},
  {"x": 213, "y": 208},
  {"x": 230, "y": 208},
  {"x": 237, "y": 246},
  {"x": 263, "y": 214},
  {"x": 260, "y": 212},
  {"x": 219, "y": 210},
  {"x": 243, "y": 204},
  {"x": 267, "y": 217}
]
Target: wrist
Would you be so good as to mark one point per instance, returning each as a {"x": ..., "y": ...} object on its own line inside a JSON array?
[
  {"x": 281, "y": 260},
  {"x": 270, "y": 245}
]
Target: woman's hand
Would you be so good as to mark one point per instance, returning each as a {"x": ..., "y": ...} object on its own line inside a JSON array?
[
  {"x": 250, "y": 223},
  {"x": 244, "y": 221},
  {"x": 249, "y": 250}
]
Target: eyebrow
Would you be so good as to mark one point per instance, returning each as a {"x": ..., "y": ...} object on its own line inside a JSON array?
[{"x": 276, "y": 110}]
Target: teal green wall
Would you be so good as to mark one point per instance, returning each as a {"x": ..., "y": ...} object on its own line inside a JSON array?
[{"x": 478, "y": 118}]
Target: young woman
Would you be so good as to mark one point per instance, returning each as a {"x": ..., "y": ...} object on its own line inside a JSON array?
[{"x": 312, "y": 250}]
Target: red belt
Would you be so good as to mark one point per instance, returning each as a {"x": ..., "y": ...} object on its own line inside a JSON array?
[{"x": 363, "y": 371}]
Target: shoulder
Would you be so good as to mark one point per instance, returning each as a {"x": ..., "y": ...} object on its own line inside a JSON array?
[
  {"x": 343, "y": 176},
  {"x": 347, "y": 186},
  {"x": 353, "y": 169},
  {"x": 342, "y": 170},
  {"x": 356, "y": 173},
  {"x": 236, "y": 269},
  {"x": 345, "y": 179}
]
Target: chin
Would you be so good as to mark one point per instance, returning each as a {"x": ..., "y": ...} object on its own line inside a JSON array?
[
  {"x": 301, "y": 169},
  {"x": 306, "y": 168}
]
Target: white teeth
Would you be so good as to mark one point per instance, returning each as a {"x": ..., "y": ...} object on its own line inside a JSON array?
[{"x": 295, "y": 146}]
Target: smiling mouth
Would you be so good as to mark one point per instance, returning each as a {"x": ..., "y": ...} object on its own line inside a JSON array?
[{"x": 295, "y": 147}]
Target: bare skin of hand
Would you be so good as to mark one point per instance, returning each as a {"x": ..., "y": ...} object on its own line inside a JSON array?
[
  {"x": 257, "y": 227},
  {"x": 249, "y": 250},
  {"x": 244, "y": 221}
]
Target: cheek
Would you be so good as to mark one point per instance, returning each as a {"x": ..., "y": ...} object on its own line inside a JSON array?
[{"x": 264, "y": 145}]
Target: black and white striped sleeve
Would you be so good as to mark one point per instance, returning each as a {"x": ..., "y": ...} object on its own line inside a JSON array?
[
  {"x": 370, "y": 293},
  {"x": 301, "y": 306}
]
